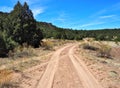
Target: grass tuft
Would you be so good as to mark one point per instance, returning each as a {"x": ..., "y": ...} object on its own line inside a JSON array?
[{"x": 22, "y": 51}]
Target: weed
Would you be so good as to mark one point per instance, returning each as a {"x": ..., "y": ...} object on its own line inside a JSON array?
[
  {"x": 113, "y": 73},
  {"x": 104, "y": 51},
  {"x": 48, "y": 45},
  {"x": 21, "y": 51},
  {"x": 90, "y": 47}
]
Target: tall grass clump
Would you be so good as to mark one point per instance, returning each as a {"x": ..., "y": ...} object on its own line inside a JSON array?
[
  {"x": 47, "y": 44},
  {"x": 104, "y": 50},
  {"x": 22, "y": 51},
  {"x": 89, "y": 47}
]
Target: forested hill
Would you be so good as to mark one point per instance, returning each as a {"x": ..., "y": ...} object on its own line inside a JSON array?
[
  {"x": 19, "y": 27},
  {"x": 50, "y": 30}
]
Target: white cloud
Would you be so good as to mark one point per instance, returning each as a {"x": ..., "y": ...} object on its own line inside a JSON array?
[
  {"x": 6, "y": 9},
  {"x": 35, "y": 6},
  {"x": 98, "y": 13},
  {"x": 59, "y": 17},
  {"x": 37, "y": 11},
  {"x": 62, "y": 17},
  {"x": 107, "y": 16},
  {"x": 91, "y": 24}
]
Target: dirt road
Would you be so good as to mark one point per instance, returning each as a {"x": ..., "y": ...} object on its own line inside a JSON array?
[{"x": 64, "y": 70}]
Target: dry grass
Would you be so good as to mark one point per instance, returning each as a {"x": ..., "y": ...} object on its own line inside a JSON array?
[
  {"x": 21, "y": 51},
  {"x": 105, "y": 69},
  {"x": 103, "y": 50},
  {"x": 89, "y": 47},
  {"x": 24, "y": 57},
  {"x": 48, "y": 45},
  {"x": 51, "y": 44},
  {"x": 5, "y": 78}
]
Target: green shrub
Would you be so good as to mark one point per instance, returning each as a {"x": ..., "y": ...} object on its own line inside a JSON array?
[{"x": 6, "y": 44}]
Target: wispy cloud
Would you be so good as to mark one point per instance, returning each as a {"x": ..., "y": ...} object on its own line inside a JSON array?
[
  {"x": 91, "y": 24},
  {"x": 37, "y": 11},
  {"x": 6, "y": 9},
  {"x": 62, "y": 17},
  {"x": 35, "y": 6},
  {"x": 107, "y": 16},
  {"x": 98, "y": 13},
  {"x": 115, "y": 7}
]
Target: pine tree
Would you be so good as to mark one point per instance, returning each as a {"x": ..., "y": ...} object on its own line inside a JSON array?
[
  {"x": 18, "y": 27},
  {"x": 24, "y": 26}
]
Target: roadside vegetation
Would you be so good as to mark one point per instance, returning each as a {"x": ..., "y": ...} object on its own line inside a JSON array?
[
  {"x": 24, "y": 42},
  {"x": 102, "y": 49},
  {"x": 19, "y": 27},
  {"x": 24, "y": 57},
  {"x": 102, "y": 58}
]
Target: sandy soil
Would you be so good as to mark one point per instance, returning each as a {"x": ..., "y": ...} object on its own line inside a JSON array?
[
  {"x": 105, "y": 70},
  {"x": 64, "y": 70}
]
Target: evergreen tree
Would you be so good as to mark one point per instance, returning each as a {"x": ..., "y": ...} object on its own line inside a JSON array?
[
  {"x": 18, "y": 27},
  {"x": 24, "y": 24}
]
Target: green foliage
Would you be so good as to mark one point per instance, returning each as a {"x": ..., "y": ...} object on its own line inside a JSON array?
[
  {"x": 18, "y": 27},
  {"x": 6, "y": 43},
  {"x": 22, "y": 51},
  {"x": 51, "y": 31}
]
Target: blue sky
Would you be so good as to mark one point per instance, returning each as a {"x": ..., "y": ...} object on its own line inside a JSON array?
[{"x": 75, "y": 14}]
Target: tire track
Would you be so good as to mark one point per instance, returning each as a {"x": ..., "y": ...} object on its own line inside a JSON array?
[
  {"x": 84, "y": 74},
  {"x": 64, "y": 70},
  {"x": 66, "y": 75},
  {"x": 48, "y": 76}
]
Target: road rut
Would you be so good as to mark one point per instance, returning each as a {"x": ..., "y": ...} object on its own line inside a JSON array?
[{"x": 64, "y": 70}]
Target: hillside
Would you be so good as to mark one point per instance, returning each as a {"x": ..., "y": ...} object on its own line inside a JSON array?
[
  {"x": 36, "y": 54},
  {"x": 19, "y": 27},
  {"x": 49, "y": 30}
]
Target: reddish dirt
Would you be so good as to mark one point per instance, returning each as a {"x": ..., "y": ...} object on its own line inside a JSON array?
[
  {"x": 105, "y": 70},
  {"x": 115, "y": 52},
  {"x": 64, "y": 70}
]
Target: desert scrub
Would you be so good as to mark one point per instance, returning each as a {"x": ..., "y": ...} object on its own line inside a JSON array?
[
  {"x": 89, "y": 44},
  {"x": 47, "y": 44},
  {"x": 89, "y": 47},
  {"x": 22, "y": 51},
  {"x": 104, "y": 50}
]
